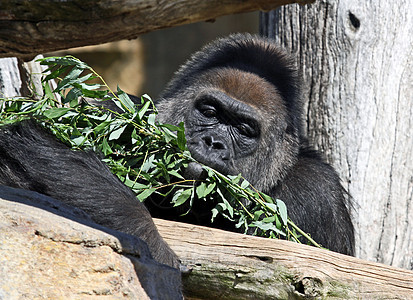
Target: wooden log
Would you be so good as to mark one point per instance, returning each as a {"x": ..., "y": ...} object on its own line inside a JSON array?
[
  {"x": 228, "y": 265},
  {"x": 356, "y": 62},
  {"x": 33, "y": 27}
]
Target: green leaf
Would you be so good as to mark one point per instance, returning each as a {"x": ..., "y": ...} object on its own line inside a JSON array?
[
  {"x": 210, "y": 188},
  {"x": 203, "y": 190},
  {"x": 200, "y": 190},
  {"x": 235, "y": 179},
  {"x": 225, "y": 205},
  {"x": 133, "y": 184},
  {"x": 69, "y": 78},
  {"x": 282, "y": 208},
  {"x": 181, "y": 137},
  {"x": 78, "y": 141},
  {"x": 53, "y": 113},
  {"x": 168, "y": 135},
  {"x": 176, "y": 174},
  {"x": 72, "y": 97},
  {"x": 164, "y": 171},
  {"x": 99, "y": 118},
  {"x": 170, "y": 127},
  {"x": 181, "y": 196},
  {"x": 135, "y": 138},
  {"x": 81, "y": 81},
  {"x": 148, "y": 163},
  {"x": 244, "y": 184},
  {"x": 63, "y": 61},
  {"x": 273, "y": 208},
  {"x": 102, "y": 127},
  {"x": 48, "y": 91},
  {"x": 143, "y": 110},
  {"x": 258, "y": 214},
  {"x": 114, "y": 135},
  {"x": 151, "y": 119},
  {"x": 267, "y": 198},
  {"x": 229, "y": 207},
  {"x": 126, "y": 101},
  {"x": 214, "y": 214},
  {"x": 269, "y": 219},
  {"x": 145, "y": 194},
  {"x": 53, "y": 74},
  {"x": 266, "y": 227},
  {"x": 106, "y": 148}
]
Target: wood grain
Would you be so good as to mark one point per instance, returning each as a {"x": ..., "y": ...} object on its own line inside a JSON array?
[
  {"x": 356, "y": 62},
  {"x": 228, "y": 265},
  {"x": 36, "y": 26}
]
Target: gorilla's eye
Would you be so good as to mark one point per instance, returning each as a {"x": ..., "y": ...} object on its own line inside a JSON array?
[
  {"x": 209, "y": 113},
  {"x": 246, "y": 130}
]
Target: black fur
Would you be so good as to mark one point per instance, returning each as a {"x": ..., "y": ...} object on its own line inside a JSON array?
[
  {"x": 252, "y": 83},
  {"x": 32, "y": 159},
  {"x": 240, "y": 101}
]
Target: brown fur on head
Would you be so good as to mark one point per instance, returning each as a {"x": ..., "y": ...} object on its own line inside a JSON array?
[
  {"x": 246, "y": 87},
  {"x": 256, "y": 73},
  {"x": 247, "y": 53}
]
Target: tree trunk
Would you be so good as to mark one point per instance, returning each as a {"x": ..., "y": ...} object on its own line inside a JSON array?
[
  {"x": 356, "y": 60},
  {"x": 20, "y": 79},
  {"x": 34, "y": 27}
]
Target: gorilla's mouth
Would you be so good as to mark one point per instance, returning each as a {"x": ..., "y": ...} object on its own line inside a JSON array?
[
  {"x": 213, "y": 159},
  {"x": 195, "y": 171}
]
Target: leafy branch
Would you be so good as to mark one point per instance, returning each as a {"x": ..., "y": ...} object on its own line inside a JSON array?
[{"x": 147, "y": 156}]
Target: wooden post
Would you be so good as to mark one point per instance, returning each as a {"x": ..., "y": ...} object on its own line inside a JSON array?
[{"x": 356, "y": 61}]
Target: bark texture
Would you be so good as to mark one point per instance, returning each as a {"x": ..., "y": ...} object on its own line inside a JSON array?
[
  {"x": 18, "y": 78},
  {"x": 356, "y": 61},
  {"x": 228, "y": 265},
  {"x": 34, "y": 27}
]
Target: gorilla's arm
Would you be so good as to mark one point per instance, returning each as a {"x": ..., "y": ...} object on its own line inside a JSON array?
[
  {"x": 33, "y": 159},
  {"x": 315, "y": 201}
]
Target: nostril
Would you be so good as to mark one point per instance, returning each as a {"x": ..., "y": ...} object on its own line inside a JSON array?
[
  {"x": 218, "y": 146},
  {"x": 207, "y": 140},
  {"x": 211, "y": 143}
]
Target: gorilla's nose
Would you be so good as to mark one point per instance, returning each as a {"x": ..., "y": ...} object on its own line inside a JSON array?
[
  {"x": 213, "y": 144},
  {"x": 216, "y": 148}
]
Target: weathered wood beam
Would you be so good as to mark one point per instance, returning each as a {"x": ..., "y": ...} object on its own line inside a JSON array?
[
  {"x": 33, "y": 27},
  {"x": 228, "y": 265}
]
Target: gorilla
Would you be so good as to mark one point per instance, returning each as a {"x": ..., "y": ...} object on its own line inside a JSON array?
[{"x": 239, "y": 99}]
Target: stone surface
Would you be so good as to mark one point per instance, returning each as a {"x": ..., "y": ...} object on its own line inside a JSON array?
[{"x": 48, "y": 250}]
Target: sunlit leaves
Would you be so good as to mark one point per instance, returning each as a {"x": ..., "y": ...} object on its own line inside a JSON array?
[
  {"x": 146, "y": 156},
  {"x": 205, "y": 189},
  {"x": 56, "y": 112}
]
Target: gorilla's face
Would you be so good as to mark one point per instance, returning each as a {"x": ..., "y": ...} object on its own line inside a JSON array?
[
  {"x": 221, "y": 130},
  {"x": 236, "y": 122},
  {"x": 239, "y": 100}
]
